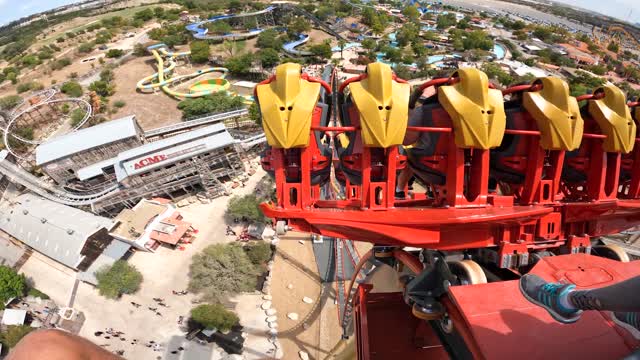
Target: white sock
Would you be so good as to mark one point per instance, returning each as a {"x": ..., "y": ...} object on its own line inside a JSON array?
[
  {"x": 399, "y": 189},
  {"x": 565, "y": 302}
]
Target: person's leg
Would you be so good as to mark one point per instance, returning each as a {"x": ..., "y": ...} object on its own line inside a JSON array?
[
  {"x": 401, "y": 182},
  {"x": 621, "y": 297},
  {"x": 566, "y": 304},
  {"x": 58, "y": 345}
]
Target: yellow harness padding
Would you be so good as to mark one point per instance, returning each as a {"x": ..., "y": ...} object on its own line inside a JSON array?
[
  {"x": 383, "y": 105},
  {"x": 477, "y": 112},
  {"x": 556, "y": 113},
  {"x": 614, "y": 118},
  {"x": 287, "y": 105}
]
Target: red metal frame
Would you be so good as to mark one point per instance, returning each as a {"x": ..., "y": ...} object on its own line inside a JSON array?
[{"x": 546, "y": 211}]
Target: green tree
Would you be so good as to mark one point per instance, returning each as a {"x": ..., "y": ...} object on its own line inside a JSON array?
[
  {"x": 12, "y": 336},
  {"x": 322, "y": 51},
  {"x": 120, "y": 278},
  {"x": 12, "y": 285},
  {"x": 613, "y": 46},
  {"x": 245, "y": 207},
  {"x": 411, "y": 13},
  {"x": 240, "y": 65},
  {"x": 144, "y": 15},
  {"x": 199, "y": 51},
  {"x": 409, "y": 32},
  {"x": 219, "y": 27},
  {"x": 72, "y": 89},
  {"x": 214, "y": 103},
  {"x": 269, "y": 39},
  {"x": 299, "y": 25},
  {"x": 268, "y": 57},
  {"x": 494, "y": 71},
  {"x": 222, "y": 270},
  {"x": 254, "y": 113},
  {"x": 446, "y": 20},
  {"x": 369, "y": 44},
  {"x": 477, "y": 39},
  {"x": 214, "y": 316},
  {"x": 259, "y": 253}
]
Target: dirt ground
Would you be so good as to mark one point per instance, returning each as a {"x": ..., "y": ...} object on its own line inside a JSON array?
[
  {"x": 151, "y": 110},
  {"x": 319, "y": 36},
  {"x": 317, "y": 329}
]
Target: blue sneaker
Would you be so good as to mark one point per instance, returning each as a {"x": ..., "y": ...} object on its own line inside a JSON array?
[
  {"x": 628, "y": 320},
  {"x": 547, "y": 295}
]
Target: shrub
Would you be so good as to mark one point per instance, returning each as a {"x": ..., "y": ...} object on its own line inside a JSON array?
[
  {"x": 11, "y": 284},
  {"x": 86, "y": 47},
  {"x": 222, "y": 270},
  {"x": 37, "y": 293},
  {"x": 269, "y": 57},
  {"x": 217, "y": 102},
  {"x": 9, "y": 102},
  {"x": 114, "y": 53},
  {"x": 12, "y": 336},
  {"x": 77, "y": 116},
  {"x": 259, "y": 253},
  {"x": 106, "y": 75},
  {"x": 245, "y": 207},
  {"x": 120, "y": 278},
  {"x": 214, "y": 316},
  {"x": 72, "y": 89},
  {"x": 102, "y": 88},
  {"x": 60, "y": 63},
  {"x": 73, "y": 75},
  {"x": 32, "y": 85},
  {"x": 199, "y": 51},
  {"x": 119, "y": 104},
  {"x": 139, "y": 50}
]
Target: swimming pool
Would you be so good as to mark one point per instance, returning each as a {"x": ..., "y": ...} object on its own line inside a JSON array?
[
  {"x": 346, "y": 46},
  {"x": 498, "y": 51}
]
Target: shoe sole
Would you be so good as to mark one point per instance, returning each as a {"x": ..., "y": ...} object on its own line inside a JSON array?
[
  {"x": 551, "y": 312},
  {"x": 632, "y": 330}
]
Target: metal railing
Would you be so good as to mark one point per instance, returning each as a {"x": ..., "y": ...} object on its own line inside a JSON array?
[{"x": 196, "y": 122}]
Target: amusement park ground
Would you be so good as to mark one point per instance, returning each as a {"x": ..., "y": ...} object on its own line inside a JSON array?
[{"x": 163, "y": 271}]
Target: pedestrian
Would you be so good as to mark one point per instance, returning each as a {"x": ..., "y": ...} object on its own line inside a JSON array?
[{"x": 158, "y": 313}]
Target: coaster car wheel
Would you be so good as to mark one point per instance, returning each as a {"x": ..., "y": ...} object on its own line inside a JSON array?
[
  {"x": 468, "y": 272},
  {"x": 611, "y": 251}
]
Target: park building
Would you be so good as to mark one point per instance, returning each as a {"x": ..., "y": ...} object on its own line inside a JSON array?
[
  {"x": 119, "y": 155},
  {"x": 83, "y": 244},
  {"x": 62, "y": 157},
  {"x": 150, "y": 224}
]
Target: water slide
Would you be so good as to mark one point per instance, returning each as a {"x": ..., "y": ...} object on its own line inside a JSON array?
[
  {"x": 202, "y": 33},
  {"x": 290, "y": 46},
  {"x": 162, "y": 80}
]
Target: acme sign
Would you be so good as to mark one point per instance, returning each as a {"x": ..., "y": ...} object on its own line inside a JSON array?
[
  {"x": 149, "y": 161},
  {"x": 154, "y": 159}
]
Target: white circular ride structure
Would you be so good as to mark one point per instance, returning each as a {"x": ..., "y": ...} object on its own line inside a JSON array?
[{"x": 46, "y": 98}]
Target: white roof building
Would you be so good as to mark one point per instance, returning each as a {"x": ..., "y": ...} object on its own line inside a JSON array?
[
  {"x": 170, "y": 150},
  {"x": 55, "y": 230},
  {"x": 14, "y": 317},
  {"x": 88, "y": 138}
]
